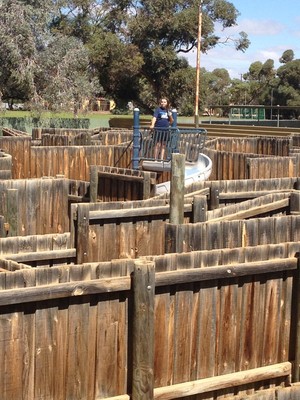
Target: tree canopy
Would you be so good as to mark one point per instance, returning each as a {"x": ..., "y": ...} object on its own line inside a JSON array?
[
  {"x": 37, "y": 65},
  {"x": 57, "y": 53},
  {"x": 129, "y": 47}
]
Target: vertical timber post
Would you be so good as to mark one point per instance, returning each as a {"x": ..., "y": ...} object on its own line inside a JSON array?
[
  {"x": 198, "y": 66},
  {"x": 143, "y": 330},
  {"x": 12, "y": 211},
  {"x": 136, "y": 138},
  {"x": 199, "y": 209},
  {"x": 174, "y": 116},
  {"x": 295, "y": 203},
  {"x": 214, "y": 196},
  {"x": 147, "y": 185},
  {"x": 93, "y": 183},
  {"x": 177, "y": 189},
  {"x": 296, "y": 369},
  {"x": 82, "y": 234}
]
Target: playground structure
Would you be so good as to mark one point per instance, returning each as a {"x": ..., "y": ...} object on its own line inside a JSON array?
[{"x": 157, "y": 147}]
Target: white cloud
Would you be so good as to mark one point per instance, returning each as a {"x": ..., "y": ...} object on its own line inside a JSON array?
[
  {"x": 263, "y": 27},
  {"x": 269, "y": 39}
]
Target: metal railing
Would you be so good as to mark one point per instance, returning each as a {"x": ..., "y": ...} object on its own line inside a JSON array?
[{"x": 159, "y": 144}]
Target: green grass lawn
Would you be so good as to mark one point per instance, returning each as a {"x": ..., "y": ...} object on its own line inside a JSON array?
[{"x": 96, "y": 119}]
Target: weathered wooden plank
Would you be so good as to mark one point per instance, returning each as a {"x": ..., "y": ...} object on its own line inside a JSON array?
[
  {"x": 250, "y": 194},
  {"x": 42, "y": 255},
  {"x": 271, "y": 320},
  {"x": 286, "y": 316},
  {"x": 12, "y": 339},
  {"x": 143, "y": 331},
  {"x": 12, "y": 212},
  {"x": 109, "y": 360},
  {"x": 296, "y": 330},
  {"x": 164, "y": 320},
  {"x": 115, "y": 175},
  {"x": 135, "y": 212},
  {"x": 77, "y": 347},
  {"x": 45, "y": 340},
  {"x": 60, "y": 219},
  {"x": 177, "y": 189},
  {"x": 166, "y": 278},
  {"x": 255, "y": 211},
  {"x": 221, "y": 382},
  {"x": 227, "y": 317},
  {"x": 82, "y": 245}
]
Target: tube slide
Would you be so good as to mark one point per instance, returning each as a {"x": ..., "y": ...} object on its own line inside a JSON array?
[{"x": 194, "y": 171}]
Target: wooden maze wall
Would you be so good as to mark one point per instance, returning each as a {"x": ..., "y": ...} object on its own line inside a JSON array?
[
  {"x": 233, "y": 158},
  {"x": 72, "y": 162},
  {"x": 37, "y": 206},
  {"x": 252, "y": 158},
  {"x": 106, "y": 299},
  {"x": 215, "y": 313}
]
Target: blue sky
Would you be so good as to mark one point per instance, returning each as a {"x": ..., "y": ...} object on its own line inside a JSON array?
[{"x": 273, "y": 26}]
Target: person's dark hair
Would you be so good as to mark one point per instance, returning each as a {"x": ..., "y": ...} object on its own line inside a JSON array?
[{"x": 168, "y": 102}]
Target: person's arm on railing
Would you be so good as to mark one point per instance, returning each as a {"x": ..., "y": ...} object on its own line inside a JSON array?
[
  {"x": 152, "y": 122},
  {"x": 170, "y": 117}
]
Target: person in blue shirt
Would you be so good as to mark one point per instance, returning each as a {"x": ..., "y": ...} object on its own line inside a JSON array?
[{"x": 161, "y": 121}]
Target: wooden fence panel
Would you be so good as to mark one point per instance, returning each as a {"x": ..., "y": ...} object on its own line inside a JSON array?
[
  {"x": 74, "y": 161},
  {"x": 256, "y": 145},
  {"x": 212, "y": 235},
  {"x": 20, "y": 150},
  {"x": 136, "y": 228},
  {"x": 5, "y": 166},
  {"x": 115, "y": 137},
  {"x": 228, "y": 165},
  {"x": 272, "y": 167},
  {"x": 227, "y": 192},
  {"x": 73, "y": 349},
  {"x": 231, "y": 157},
  {"x": 67, "y": 138},
  {"x": 120, "y": 184},
  {"x": 38, "y": 250},
  {"x": 270, "y": 204},
  {"x": 123, "y": 156},
  {"x": 76, "y": 335},
  {"x": 42, "y": 206}
]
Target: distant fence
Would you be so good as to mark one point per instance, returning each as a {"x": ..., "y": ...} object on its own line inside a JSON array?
[
  {"x": 120, "y": 184},
  {"x": 33, "y": 251},
  {"x": 42, "y": 206},
  {"x": 74, "y": 161},
  {"x": 239, "y": 158},
  {"x": 115, "y": 136},
  {"x": 71, "y": 161},
  {"x": 136, "y": 228},
  {"x": 71, "y": 153},
  {"x": 20, "y": 150},
  {"x": 236, "y": 233},
  {"x": 38, "y": 206},
  {"x": 28, "y": 123},
  {"x": 5, "y": 165}
]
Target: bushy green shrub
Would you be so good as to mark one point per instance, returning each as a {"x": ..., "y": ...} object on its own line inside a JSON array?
[
  {"x": 72, "y": 123},
  {"x": 20, "y": 123}
]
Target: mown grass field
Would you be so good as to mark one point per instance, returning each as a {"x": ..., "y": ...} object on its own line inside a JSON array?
[{"x": 96, "y": 119}]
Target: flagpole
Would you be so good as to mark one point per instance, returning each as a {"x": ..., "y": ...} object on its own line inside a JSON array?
[{"x": 198, "y": 67}]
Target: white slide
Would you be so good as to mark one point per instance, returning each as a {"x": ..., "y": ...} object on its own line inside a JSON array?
[{"x": 194, "y": 171}]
